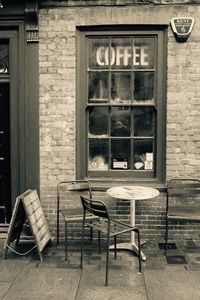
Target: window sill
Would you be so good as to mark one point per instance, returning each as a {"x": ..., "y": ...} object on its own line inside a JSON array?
[{"x": 103, "y": 185}]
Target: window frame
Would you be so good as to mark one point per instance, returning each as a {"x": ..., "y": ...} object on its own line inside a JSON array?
[{"x": 81, "y": 125}]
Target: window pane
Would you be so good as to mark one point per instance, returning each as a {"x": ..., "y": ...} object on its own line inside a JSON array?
[
  {"x": 120, "y": 150},
  {"x": 143, "y": 155},
  {"x": 143, "y": 85},
  {"x": 121, "y": 53},
  {"x": 3, "y": 56},
  {"x": 98, "y": 87},
  {"x": 98, "y": 155},
  {"x": 144, "y": 51},
  {"x": 98, "y": 121},
  {"x": 121, "y": 87},
  {"x": 143, "y": 121},
  {"x": 98, "y": 55},
  {"x": 120, "y": 121}
]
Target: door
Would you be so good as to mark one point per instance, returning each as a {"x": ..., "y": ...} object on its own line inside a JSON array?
[
  {"x": 5, "y": 184},
  {"x": 8, "y": 95}
]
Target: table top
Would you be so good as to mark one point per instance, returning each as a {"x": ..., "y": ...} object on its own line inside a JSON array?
[{"x": 132, "y": 192}]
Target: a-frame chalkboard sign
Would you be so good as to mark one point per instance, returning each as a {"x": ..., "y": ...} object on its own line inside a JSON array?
[{"x": 28, "y": 207}]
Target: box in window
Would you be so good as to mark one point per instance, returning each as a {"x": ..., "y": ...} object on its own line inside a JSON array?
[{"x": 120, "y": 163}]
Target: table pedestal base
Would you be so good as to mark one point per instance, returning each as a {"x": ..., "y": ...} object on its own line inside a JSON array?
[{"x": 130, "y": 247}]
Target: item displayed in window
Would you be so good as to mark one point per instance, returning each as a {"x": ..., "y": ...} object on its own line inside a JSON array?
[
  {"x": 144, "y": 161},
  {"x": 120, "y": 163},
  {"x": 148, "y": 164},
  {"x": 97, "y": 163},
  {"x": 139, "y": 165}
]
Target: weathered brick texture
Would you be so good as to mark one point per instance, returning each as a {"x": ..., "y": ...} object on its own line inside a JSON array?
[{"x": 57, "y": 59}]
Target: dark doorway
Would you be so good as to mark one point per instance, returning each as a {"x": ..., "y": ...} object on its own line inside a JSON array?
[{"x": 5, "y": 171}]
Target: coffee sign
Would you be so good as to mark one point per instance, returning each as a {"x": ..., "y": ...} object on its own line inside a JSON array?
[
  {"x": 122, "y": 56},
  {"x": 182, "y": 28}
]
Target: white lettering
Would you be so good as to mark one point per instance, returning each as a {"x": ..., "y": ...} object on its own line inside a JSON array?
[
  {"x": 144, "y": 56},
  {"x": 100, "y": 54},
  {"x": 127, "y": 55},
  {"x": 121, "y": 56},
  {"x": 112, "y": 56},
  {"x": 136, "y": 56}
]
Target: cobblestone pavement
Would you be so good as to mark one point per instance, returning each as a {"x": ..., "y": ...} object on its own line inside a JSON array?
[{"x": 26, "y": 277}]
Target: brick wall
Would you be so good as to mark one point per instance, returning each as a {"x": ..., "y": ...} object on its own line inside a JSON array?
[{"x": 57, "y": 60}]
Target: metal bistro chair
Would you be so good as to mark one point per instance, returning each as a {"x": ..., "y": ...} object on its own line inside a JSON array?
[
  {"x": 107, "y": 225},
  {"x": 69, "y": 205},
  {"x": 183, "y": 202}
]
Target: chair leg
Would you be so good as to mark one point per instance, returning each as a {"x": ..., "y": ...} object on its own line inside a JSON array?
[
  {"x": 91, "y": 233},
  {"x": 57, "y": 230},
  {"x": 82, "y": 240},
  {"x": 99, "y": 241},
  {"x": 166, "y": 235},
  {"x": 66, "y": 241},
  {"x": 115, "y": 245},
  {"x": 58, "y": 225},
  {"x": 107, "y": 259},
  {"x": 139, "y": 251}
]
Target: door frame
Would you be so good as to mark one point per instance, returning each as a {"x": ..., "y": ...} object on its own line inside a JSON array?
[{"x": 24, "y": 108}]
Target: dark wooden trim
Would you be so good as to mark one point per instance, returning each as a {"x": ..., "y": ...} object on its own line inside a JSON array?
[
  {"x": 32, "y": 117},
  {"x": 24, "y": 110},
  {"x": 31, "y": 17},
  {"x": 160, "y": 32}
]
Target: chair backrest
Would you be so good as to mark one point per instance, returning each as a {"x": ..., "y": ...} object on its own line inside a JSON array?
[
  {"x": 95, "y": 207},
  {"x": 183, "y": 186},
  {"x": 68, "y": 192},
  {"x": 183, "y": 191}
]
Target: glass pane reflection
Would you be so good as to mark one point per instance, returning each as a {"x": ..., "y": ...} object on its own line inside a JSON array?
[
  {"x": 98, "y": 155},
  {"x": 98, "y": 87},
  {"x": 98, "y": 121},
  {"x": 143, "y": 155},
  {"x": 144, "y": 51},
  {"x": 143, "y": 121},
  {"x": 120, "y": 87},
  {"x": 120, "y": 150},
  {"x": 121, "y": 55},
  {"x": 120, "y": 121},
  {"x": 3, "y": 56},
  {"x": 98, "y": 53},
  {"x": 143, "y": 85}
]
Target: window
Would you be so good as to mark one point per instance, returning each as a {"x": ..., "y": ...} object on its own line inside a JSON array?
[{"x": 121, "y": 104}]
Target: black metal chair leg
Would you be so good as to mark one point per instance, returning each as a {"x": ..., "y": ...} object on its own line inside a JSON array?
[
  {"x": 166, "y": 236},
  {"x": 82, "y": 239},
  {"x": 91, "y": 233},
  {"x": 107, "y": 260},
  {"x": 115, "y": 245},
  {"x": 58, "y": 219},
  {"x": 66, "y": 240},
  {"x": 139, "y": 252},
  {"x": 99, "y": 241}
]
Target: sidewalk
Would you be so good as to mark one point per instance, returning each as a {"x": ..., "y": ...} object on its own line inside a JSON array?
[{"x": 26, "y": 277}]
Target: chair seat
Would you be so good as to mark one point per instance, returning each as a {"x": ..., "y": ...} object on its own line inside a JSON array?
[
  {"x": 184, "y": 213},
  {"x": 72, "y": 212},
  {"x": 76, "y": 214},
  {"x": 115, "y": 227}
]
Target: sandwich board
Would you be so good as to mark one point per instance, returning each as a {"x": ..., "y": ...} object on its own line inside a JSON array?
[{"x": 28, "y": 208}]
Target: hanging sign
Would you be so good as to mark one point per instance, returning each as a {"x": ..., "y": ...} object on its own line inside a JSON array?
[{"x": 182, "y": 28}]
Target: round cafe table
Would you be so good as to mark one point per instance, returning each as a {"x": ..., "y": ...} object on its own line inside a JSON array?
[{"x": 132, "y": 193}]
